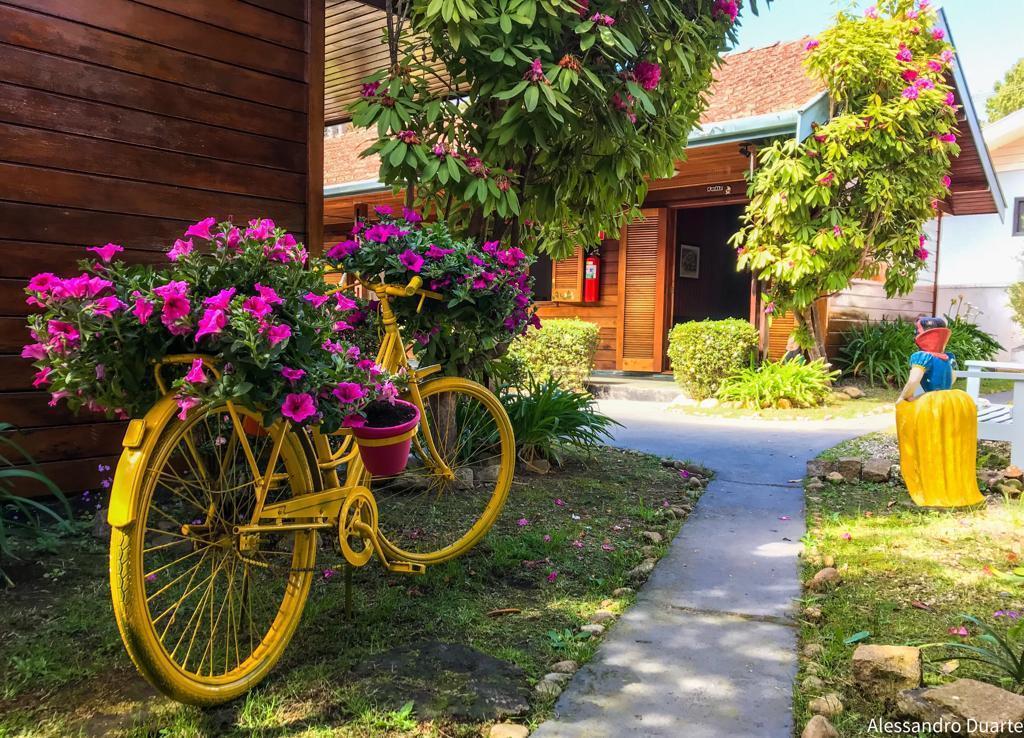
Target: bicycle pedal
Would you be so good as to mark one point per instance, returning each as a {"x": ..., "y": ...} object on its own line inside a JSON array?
[{"x": 406, "y": 567}]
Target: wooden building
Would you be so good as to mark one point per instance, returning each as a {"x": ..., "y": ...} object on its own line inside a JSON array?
[{"x": 675, "y": 264}]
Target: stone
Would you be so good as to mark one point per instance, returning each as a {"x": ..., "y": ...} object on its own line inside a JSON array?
[
  {"x": 824, "y": 579},
  {"x": 100, "y": 526},
  {"x": 819, "y": 727},
  {"x": 593, "y": 628},
  {"x": 895, "y": 473},
  {"x": 813, "y": 668},
  {"x": 882, "y": 671},
  {"x": 652, "y": 536},
  {"x": 487, "y": 473},
  {"x": 835, "y": 477},
  {"x": 548, "y": 689},
  {"x": 820, "y": 467},
  {"x": 876, "y": 470},
  {"x": 558, "y": 677},
  {"x": 812, "y": 614},
  {"x": 854, "y": 393},
  {"x": 623, "y": 592},
  {"x": 602, "y": 616},
  {"x": 648, "y": 552},
  {"x": 850, "y": 468},
  {"x": 667, "y": 462},
  {"x": 1006, "y": 489},
  {"x": 812, "y": 683},
  {"x": 965, "y": 701},
  {"x": 815, "y": 486},
  {"x": 813, "y": 650},
  {"x": 540, "y": 466},
  {"x": 508, "y": 730},
  {"x": 641, "y": 570},
  {"x": 696, "y": 483},
  {"x": 1013, "y": 472},
  {"x": 709, "y": 403},
  {"x": 840, "y": 397},
  {"x": 828, "y": 705},
  {"x": 464, "y": 477},
  {"x": 677, "y": 513},
  {"x": 828, "y": 560},
  {"x": 784, "y": 404},
  {"x": 445, "y": 680},
  {"x": 1015, "y": 483},
  {"x": 565, "y": 667}
]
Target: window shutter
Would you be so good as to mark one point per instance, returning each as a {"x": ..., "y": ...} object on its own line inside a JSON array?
[
  {"x": 642, "y": 276},
  {"x": 567, "y": 278}
]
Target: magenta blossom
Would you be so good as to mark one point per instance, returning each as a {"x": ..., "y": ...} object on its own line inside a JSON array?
[
  {"x": 42, "y": 377},
  {"x": 202, "y": 229},
  {"x": 268, "y": 294},
  {"x": 106, "y": 253},
  {"x": 938, "y": 34},
  {"x": 292, "y": 375},
  {"x": 211, "y": 323},
  {"x": 180, "y": 249},
  {"x": 349, "y": 392},
  {"x": 36, "y": 351},
  {"x": 949, "y": 138},
  {"x": 220, "y": 301},
  {"x": 195, "y": 373},
  {"x": 411, "y": 216},
  {"x": 369, "y": 89},
  {"x": 142, "y": 308},
  {"x": 314, "y": 299},
  {"x": 106, "y": 306},
  {"x": 924, "y": 83},
  {"x": 297, "y": 407},
  {"x": 600, "y": 19},
  {"x": 260, "y": 229},
  {"x": 342, "y": 250},
  {"x": 332, "y": 347},
  {"x": 552, "y": 577},
  {"x": 934, "y": 66},
  {"x": 343, "y": 303},
  {"x": 256, "y": 307},
  {"x": 946, "y": 181},
  {"x": 385, "y": 210},
  {"x": 950, "y": 100},
  {"x": 278, "y": 333},
  {"x": 381, "y": 232},
  {"x": 910, "y": 93},
  {"x": 436, "y": 252},
  {"x": 812, "y": 44},
  {"x": 871, "y": 12},
  {"x": 904, "y": 54},
  {"x": 522, "y": 522},
  {"x": 411, "y": 260},
  {"x": 648, "y": 75},
  {"x": 826, "y": 178},
  {"x": 921, "y": 254},
  {"x": 185, "y": 403},
  {"x": 909, "y": 74},
  {"x": 729, "y": 8},
  {"x": 946, "y": 56}
]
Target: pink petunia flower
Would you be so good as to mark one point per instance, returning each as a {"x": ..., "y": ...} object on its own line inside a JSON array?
[
  {"x": 35, "y": 351},
  {"x": 201, "y": 229},
  {"x": 905, "y": 54},
  {"x": 553, "y": 576},
  {"x": 256, "y": 307},
  {"x": 42, "y": 377},
  {"x": 314, "y": 299},
  {"x": 196, "y": 375},
  {"x": 212, "y": 322},
  {"x": 343, "y": 250},
  {"x": 278, "y": 333},
  {"x": 292, "y": 375},
  {"x": 268, "y": 294},
  {"x": 949, "y": 138},
  {"x": 909, "y": 93},
  {"x": 938, "y": 34},
  {"x": 950, "y": 100},
  {"x": 946, "y": 181},
  {"x": 343, "y": 303},
  {"x": 106, "y": 253},
  {"x": 411, "y": 260},
  {"x": 411, "y": 216},
  {"x": 297, "y": 407},
  {"x": 142, "y": 308},
  {"x": 185, "y": 403},
  {"x": 180, "y": 249},
  {"x": 106, "y": 306},
  {"x": 349, "y": 392},
  {"x": 220, "y": 301}
]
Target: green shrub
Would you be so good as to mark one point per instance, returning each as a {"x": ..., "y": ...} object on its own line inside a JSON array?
[
  {"x": 879, "y": 352},
  {"x": 547, "y": 419},
  {"x": 705, "y": 352},
  {"x": 801, "y": 384},
  {"x": 562, "y": 349}
]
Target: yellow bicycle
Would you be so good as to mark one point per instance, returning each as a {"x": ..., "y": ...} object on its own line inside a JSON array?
[{"x": 216, "y": 520}]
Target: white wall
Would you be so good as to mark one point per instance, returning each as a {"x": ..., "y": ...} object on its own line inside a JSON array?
[{"x": 979, "y": 258}]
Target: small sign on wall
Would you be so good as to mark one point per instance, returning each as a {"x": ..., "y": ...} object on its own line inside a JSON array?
[{"x": 689, "y": 261}]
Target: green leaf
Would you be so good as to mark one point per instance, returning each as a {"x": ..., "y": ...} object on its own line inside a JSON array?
[
  {"x": 531, "y": 97},
  {"x": 857, "y": 637},
  {"x": 510, "y": 93},
  {"x": 398, "y": 154},
  {"x": 505, "y": 23}
]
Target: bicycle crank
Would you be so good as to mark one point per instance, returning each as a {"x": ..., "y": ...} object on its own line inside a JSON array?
[{"x": 358, "y": 537}]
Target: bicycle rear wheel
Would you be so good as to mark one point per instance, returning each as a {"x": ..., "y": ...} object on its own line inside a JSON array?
[
  {"x": 427, "y": 515},
  {"x": 204, "y": 612}
]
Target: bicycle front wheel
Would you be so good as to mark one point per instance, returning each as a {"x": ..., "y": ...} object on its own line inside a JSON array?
[
  {"x": 204, "y": 612},
  {"x": 433, "y": 512}
]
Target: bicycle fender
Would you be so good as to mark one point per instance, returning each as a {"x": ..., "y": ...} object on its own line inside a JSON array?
[{"x": 139, "y": 440}]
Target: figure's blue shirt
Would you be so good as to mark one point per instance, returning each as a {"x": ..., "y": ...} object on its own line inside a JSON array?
[{"x": 938, "y": 373}]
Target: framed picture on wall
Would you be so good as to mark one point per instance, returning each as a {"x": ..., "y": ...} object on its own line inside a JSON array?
[{"x": 689, "y": 261}]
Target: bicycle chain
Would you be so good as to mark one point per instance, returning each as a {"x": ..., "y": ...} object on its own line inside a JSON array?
[{"x": 293, "y": 569}]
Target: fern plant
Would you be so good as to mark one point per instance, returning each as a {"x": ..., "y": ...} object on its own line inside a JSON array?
[
  {"x": 18, "y": 513},
  {"x": 801, "y": 384}
]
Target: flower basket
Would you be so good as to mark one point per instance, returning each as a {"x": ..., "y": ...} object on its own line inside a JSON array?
[{"x": 384, "y": 449}]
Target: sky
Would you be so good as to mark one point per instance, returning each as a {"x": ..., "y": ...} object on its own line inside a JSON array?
[{"x": 988, "y": 43}]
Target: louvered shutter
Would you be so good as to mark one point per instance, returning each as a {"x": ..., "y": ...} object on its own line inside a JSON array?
[
  {"x": 643, "y": 285},
  {"x": 567, "y": 278}
]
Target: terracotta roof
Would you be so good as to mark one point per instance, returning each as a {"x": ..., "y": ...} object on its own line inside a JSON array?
[
  {"x": 748, "y": 83},
  {"x": 768, "y": 79}
]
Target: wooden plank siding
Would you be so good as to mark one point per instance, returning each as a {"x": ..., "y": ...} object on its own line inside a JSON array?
[{"x": 125, "y": 121}]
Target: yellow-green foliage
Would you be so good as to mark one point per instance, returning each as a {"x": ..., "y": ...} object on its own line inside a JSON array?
[
  {"x": 705, "y": 352},
  {"x": 562, "y": 349},
  {"x": 801, "y": 384}
]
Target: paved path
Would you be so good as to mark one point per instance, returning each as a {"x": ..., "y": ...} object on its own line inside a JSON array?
[{"x": 708, "y": 651}]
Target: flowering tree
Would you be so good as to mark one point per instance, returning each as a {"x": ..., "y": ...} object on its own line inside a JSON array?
[
  {"x": 548, "y": 114},
  {"x": 852, "y": 199}
]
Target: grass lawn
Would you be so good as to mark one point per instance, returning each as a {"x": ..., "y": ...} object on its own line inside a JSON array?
[
  {"x": 63, "y": 671},
  {"x": 908, "y": 574},
  {"x": 876, "y": 400}
]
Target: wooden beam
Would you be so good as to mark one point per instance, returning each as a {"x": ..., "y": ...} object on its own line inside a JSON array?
[{"x": 315, "y": 127}]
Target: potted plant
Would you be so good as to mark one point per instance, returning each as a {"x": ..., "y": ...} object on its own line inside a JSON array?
[{"x": 385, "y": 434}]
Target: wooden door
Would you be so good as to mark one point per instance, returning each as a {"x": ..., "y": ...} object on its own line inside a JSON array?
[
  {"x": 567, "y": 278},
  {"x": 643, "y": 289}
]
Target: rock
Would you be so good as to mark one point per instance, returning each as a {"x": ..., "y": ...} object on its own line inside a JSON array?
[
  {"x": 593, "y": 628},
  {"x": 819, "y": 727},
  {"x": 835, "y": 477},
  {"x": 508, "y": 730},
  {"x": 100, "y": 526},
  {"x": 829, "y": 705},
  {"x": 1015, "y": 483},
  {"x": 1006, "y": 489},
  {"x": 540, "y": 466},
  {"x": 820, "y": 467},
  {"x": 812, "y": 684},
  {"x": 784, "y": 404},
  {"x": 602, "y": 616},
  {"x": 828, "y": 560},
  {"x": 565, "y": 667},
  {"x": 812, "y": 614},
  {"x": 895, "y": 473},
  {"x": 709, "y": 403},
  {"x": 813, "y": 650},
  {"x": 696, "y": 483},
  {"x": 1013, "y": 472},
  {"x": 850, "y": 468},
  {"x": 824, "y": 579},
  {"x": 623, "y": 592},
  {"x": 882, "y": 671},
  {"x": 652, "y": 536},
  {"x": 648, "y": 552},
  {"x": 558, "y": 677},
  {"x": 641, "y": 570},
  {"x": 815, "y": 486},
  {"x": 854, "y": 393},
  {"x": 677, "y": 513},
  {"x": 840, "y": 397},
  {"x": 813, "y": 668},
  {"x": 548, "y": 689},
  {"x": 875, "y": 470},
  {"x": 445, "y": 680},
  {"x": 487, "y": 473},
  {"x": 966, "y": 701},
  {"x": 670, "y": 463},
  {"x": 464, "y": 477}
]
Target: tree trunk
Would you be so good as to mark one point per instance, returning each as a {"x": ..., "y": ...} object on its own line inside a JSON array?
[{"x": 810, "y": 320}]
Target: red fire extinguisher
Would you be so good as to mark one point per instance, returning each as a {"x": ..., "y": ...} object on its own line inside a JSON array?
[{"x": 592, "y": 278}]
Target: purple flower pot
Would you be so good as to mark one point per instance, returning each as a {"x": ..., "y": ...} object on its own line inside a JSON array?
[{"x": 385, "y": 451}]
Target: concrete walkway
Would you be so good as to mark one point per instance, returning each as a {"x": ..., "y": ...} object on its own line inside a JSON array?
[{"x": 709, "y": 650}]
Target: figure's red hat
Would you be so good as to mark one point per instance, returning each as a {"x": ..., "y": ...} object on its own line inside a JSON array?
[{"x": 932, "y": 336}]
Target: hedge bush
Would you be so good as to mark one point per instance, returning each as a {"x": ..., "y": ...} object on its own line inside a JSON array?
[
  {"x": 799, "y": 383},
  {"x": 879, "y": 352},
  {"x": 705, "y": 352},
  {"x": 561, "y": 350}
]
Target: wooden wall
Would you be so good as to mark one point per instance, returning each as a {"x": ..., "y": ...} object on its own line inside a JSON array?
[{"x": 125, "y": 121}]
